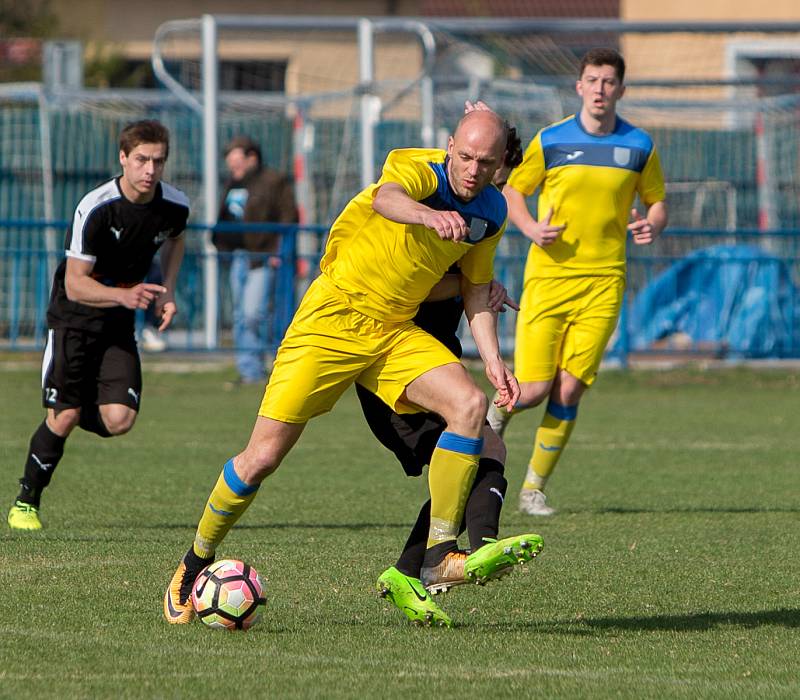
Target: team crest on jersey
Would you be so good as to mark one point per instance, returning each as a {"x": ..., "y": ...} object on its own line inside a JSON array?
[
  {"x": 622, "y": 156},
  {"x": 477, "y": 229},
  {"x": 162, "y": 236}
]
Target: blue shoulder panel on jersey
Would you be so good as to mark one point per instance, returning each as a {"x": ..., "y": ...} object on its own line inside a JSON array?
[
  {"x": 568, "y": 143},
  {"x": 484, "y": 215}
]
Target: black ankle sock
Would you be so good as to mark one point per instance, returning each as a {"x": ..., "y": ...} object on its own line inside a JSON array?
[
  {"x": 44, "y": 452},
  {"x": 193, "y": 561},
  {"x": 410, "y": 561},
  {"x": 194, "y": 565},
  {"x": 482, "y": 512}
]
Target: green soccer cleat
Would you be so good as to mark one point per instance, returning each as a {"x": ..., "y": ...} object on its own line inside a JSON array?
[
  {"x": 24, "y": 516},
  {"x": 497, "y": 558},
  {"x": 410, "y": 597}
]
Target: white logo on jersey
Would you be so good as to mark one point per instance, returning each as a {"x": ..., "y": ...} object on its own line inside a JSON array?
[
  {"x": 499, "y": 495},
  {"x": 574, "y": 155},
  {"x": 134, "y": 394},
  {"x": 116, "y": 231},
  {"x": 622, "y": 156},
  {"x": 41, "y": 464}
]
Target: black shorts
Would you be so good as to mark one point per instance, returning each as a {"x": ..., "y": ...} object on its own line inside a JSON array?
[
  {"x": 87, "y": 369},
  {"x": 411, "y": 436}
]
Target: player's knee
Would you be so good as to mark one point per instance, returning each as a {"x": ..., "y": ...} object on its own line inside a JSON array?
[
  {"x": 567, "y": 389},
  {"x": 532, "y": 394},
  {"x": 473, "y": 407},
  {"x": 465, "y": 409},
  {"x": 570, "y": 395},
  {"x": 118, "y": 421},
  {"x": 63, "y": 422},
  {"x": 256, "y": 463}
]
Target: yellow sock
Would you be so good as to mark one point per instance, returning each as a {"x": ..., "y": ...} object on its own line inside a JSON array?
[
  {"x": 551, "y": 437},
  {"x": 450, "y": 476},
  {"x": 228, "y": 500}
]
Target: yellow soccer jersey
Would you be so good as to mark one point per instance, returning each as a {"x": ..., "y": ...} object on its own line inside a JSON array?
[
  {"x": 387, "y": 269},
  {"x": 590, "y": 183}
]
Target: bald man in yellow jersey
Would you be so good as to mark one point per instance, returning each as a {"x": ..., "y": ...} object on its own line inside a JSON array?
[
  {"x": 388, "y": 248},
  {"x": 588, "y": 168}
]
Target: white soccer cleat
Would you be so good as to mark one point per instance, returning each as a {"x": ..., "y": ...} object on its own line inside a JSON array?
[{"x": 534, "y": 502}]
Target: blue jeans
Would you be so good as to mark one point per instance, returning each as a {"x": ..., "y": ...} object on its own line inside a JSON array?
[{"x": 252, "y": 291}]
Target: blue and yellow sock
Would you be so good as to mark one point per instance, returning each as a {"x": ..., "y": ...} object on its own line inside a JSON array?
[
  {"x": 551, "y": 437},
  {"x": 229, "y": 498},
  {"x": 450, "y": 476}
]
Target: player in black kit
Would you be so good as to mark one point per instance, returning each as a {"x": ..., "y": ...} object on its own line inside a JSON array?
[{"x": 91, "y": 374}]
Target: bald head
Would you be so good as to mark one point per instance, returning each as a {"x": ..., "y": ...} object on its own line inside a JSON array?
[
  {"x": 482, "y": 126},
  {"x": 476, "y": 151}
]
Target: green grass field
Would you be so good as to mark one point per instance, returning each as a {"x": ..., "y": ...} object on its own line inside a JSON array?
[{"x": 671, "y": 569}]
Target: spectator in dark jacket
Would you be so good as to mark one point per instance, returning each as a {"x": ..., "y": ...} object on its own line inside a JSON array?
[{"x": 253, "y": 193}]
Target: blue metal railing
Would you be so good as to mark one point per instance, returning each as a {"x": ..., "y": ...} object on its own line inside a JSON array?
[{"x": 25, "y": 272}]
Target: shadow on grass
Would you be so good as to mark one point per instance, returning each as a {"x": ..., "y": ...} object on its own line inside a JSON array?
[
  {"x": 687, "y": 509},
  {"x": 693, "y": 622},
  {"x": 356, "y": 527},
  {"x": 103, "y": 535}
]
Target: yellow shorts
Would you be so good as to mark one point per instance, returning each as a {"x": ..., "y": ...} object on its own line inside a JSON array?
[
  {"x": 565, "y": 323},
  {"x": 328, "y": 346}
]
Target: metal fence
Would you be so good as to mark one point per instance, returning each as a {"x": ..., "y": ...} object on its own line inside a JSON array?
[
  {"x": 720, "y": 100},
  {"x": 717, "y": 294}
]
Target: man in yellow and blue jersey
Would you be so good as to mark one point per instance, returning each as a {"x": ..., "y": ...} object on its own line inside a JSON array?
[
  {"x": 588, "y": 169},
  {"x": 388, "y": 248}
]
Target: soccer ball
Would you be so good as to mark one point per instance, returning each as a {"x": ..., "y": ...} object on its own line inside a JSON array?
[{"x": 227, "y": 595}]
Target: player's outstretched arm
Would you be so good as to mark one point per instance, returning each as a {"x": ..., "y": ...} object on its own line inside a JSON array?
[
  {"x": 483, "y": 325},
  {"x": 394, "y": 203},
  {"x": 81, "y": 287},
  {"x": 171, "y": 258},
  {"x": 645, "y": 230}
]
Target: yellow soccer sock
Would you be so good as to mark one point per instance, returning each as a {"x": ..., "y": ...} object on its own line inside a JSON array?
[
  {"x": 450, "y": 476},
  {"x": 229, "y": 498},
  {"x": 551, "y": 437}
]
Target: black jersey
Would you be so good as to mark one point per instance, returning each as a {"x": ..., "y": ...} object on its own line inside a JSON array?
[
  {"x": 441, "y": 319},
  {"x": 121, "y": 238}
]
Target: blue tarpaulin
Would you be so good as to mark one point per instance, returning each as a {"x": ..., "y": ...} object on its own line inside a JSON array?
[{"x": 736, "y": 298}]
